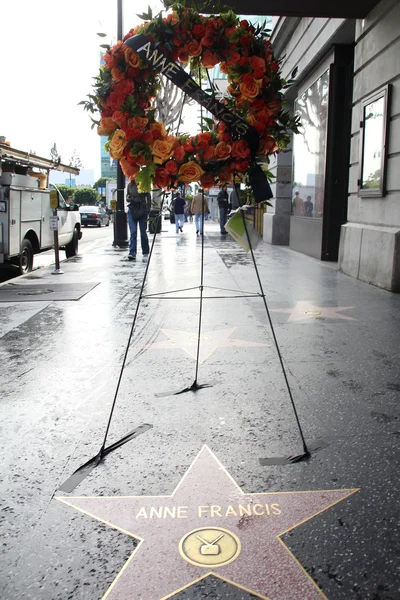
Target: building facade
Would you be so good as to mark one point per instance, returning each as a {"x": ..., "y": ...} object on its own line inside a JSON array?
[{"x": 337, "y": 190}]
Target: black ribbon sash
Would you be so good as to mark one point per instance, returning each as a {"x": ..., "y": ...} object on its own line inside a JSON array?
[{"x": 160, "y": 61}]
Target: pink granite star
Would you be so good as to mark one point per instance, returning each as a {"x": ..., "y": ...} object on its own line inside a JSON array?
[
  {"x": 305, "y": 310},
  {"x": 210, "y": 526}
]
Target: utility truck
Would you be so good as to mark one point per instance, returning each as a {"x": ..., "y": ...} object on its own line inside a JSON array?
[{"x": 25, "y": 209}]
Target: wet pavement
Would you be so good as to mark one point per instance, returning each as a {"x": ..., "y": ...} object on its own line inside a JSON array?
[{"x": 188, "y": 509}]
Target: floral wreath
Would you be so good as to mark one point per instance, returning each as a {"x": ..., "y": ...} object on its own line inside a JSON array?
[{"x": 126, "y": 87}]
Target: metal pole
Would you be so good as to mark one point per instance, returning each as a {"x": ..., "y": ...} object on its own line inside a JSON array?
[
  {"x": 57, "y": 270},
  {"x": 121, "y": 224}
]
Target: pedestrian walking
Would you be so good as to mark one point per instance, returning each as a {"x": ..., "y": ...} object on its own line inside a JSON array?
[
  {"x": 139, "y": 205},
  {"x": 179, "y": 209},
  {"x": 223, "y": 204},
  {"x": 199, "y": 207}
]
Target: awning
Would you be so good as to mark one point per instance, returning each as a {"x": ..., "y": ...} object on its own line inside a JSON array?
[{"x": 345, "y": 9}]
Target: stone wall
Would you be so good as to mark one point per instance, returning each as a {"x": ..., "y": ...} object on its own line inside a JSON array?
[{"x": 370, "y": 241}]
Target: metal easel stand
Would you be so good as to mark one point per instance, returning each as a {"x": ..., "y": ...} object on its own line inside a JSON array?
[
  {"x": 83, "y": 471},
  {"x": 307, "y": 449}
]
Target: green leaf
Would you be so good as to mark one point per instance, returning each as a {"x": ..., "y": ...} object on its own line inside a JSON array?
[
  {"x": 101, "y": 34},
  {"x": 107, "y": 46}
]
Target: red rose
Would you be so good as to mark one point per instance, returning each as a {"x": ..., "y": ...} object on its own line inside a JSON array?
[
  {"x": 242, "y": 62},
  {"x": 240, "y": 166},
  {"x": 172, "y": 167},
  {"x": 207, "y": 181},
  {"x": 203, "y": 140},
  {"x": 274, "y": 67},
  {"x": 258, "y": 74},
  {"x": 225, "y": 175},
  {"x": 209, "y": 59},
  {"x": 208, "y": 153},
  {"x": 225, "y": 137},
  {"x": 179, "y": 154},
  {"x": 209, "y": 38},
  {"x": 229, "y": 31},
  {"x": 133, "y": 134},
  {"x": 183, "y": 54},
  {"x": 198, "y": 30},
  {"x": 247, "y": 78},
  {"x": 147, "y": 137},
  {"x": 245, "y": 41},
  {"x": 194, "y": 49},
  {"x": 162, "y": 178},
  {"x": 240, "y": 149},
  {"x": 234, "y": 58},
  {"x": 257, "y": 63}
]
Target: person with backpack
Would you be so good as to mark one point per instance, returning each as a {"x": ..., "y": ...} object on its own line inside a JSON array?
[{"x": 139, "y": 205}]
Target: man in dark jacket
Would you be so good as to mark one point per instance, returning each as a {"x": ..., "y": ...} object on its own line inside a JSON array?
[
  {"x": 139, "y": 205},
  {"x": 179, "y": 209},
  {"x": 223, "y": 203}
]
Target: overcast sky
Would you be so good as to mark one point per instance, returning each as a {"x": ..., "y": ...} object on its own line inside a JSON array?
[{"x": 49, "y": 54}]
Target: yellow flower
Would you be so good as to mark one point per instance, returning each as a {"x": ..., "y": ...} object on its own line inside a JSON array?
[
  {"x": 190, "y": 171},
  {"x": 132, "y": 58},
  {"x": 162, "y": 150},
  {"x": 117, "y": 144}
]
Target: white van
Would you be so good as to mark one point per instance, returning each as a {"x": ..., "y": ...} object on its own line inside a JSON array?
[{"x": 25, "y": 210}]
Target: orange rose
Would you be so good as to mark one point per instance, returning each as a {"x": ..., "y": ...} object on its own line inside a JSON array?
[
  {"x": 132, "y": 58},
  {"x": 207, "y": 181},
  {"x": 138, "y": 122},
  {"x": 222, "y": 151},
  {"x": 250, "y": 90},
  {"x": 117, "y": 144},
  {"x": 208, "y": 153},
  {"x": 194, "y": 49},
  {"x": 129, "y": 169},
  {"x": 107, "y": 126},
  {"x": 173, "y": 140},
  {"x": 157, "y": 126},
  {"x": 240, "y": 149},
  {"x": 162, "y": 150},
  {"x": 190, "y": 171}
]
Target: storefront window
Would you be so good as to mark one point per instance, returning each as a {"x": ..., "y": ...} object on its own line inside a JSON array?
[{"x": 309, "y": 148}]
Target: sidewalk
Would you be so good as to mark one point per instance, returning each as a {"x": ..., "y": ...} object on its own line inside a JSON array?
[{"x": 62, "y": 341}]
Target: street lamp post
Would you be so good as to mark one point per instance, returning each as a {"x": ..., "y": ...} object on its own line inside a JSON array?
[{"x": 121, "y": 227}]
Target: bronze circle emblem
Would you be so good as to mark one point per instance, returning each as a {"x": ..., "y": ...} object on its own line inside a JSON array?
[{"x": 210, "y": 547}]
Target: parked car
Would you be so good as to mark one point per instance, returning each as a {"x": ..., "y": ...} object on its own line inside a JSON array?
[{"x": 94, "y": 215}]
